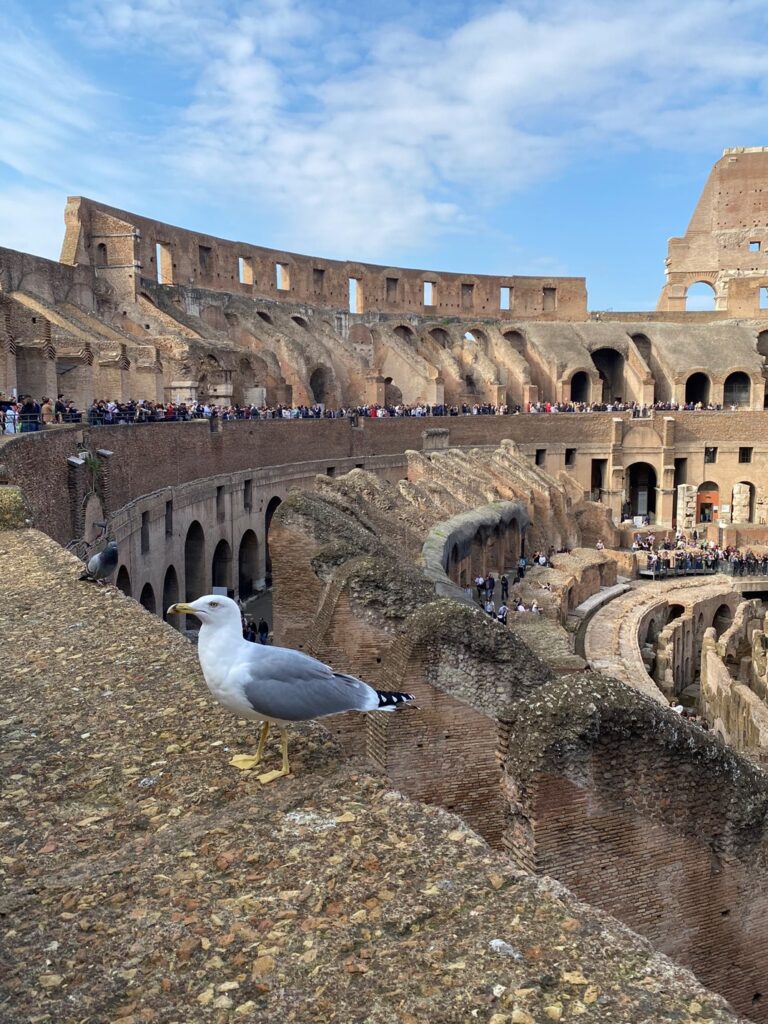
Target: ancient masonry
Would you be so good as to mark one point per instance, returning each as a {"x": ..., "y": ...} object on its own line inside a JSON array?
[{"x": 128, "y": 842}]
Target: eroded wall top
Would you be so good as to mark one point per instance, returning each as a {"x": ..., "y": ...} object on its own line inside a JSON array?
[
  {"x": 125, "y": 247},
  {"x": 726, "y": 243}
]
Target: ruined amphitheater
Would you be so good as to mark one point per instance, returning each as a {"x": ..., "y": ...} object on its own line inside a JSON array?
[{"x": 547, "y": 837}]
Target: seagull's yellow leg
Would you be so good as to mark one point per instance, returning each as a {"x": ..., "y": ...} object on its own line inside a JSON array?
[
  {"x": 286, "y": 769},
  {"x": 246, "y": 761}
]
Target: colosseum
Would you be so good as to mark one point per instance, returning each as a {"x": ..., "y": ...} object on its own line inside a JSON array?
[{"x": 574, "y": 823}]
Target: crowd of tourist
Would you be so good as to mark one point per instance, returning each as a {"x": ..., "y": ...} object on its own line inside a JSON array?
[
  {"x": 485, "y": 587},
  {"x": 22, "y": 414},
  {"x": 691, "y": 553}
]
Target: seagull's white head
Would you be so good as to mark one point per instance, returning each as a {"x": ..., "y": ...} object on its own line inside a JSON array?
[{"x": 212, "y": 610}]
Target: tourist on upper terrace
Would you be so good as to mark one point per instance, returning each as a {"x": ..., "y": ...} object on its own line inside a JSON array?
[
  {"x": 502, "y": 613},
  {"x": 504, "y": 588},
  {"x": 522, "y": 563},
  {"x": 490, "y": 585},
  {"x": 480, "y": 584}
]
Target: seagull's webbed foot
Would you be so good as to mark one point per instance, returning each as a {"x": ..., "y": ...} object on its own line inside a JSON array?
[
  {"x": 285, "y": 770},
  {"x": 247, "y": 761}
]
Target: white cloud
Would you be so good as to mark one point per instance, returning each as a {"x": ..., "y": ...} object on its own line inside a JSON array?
[{"x": 368, "y": 136}]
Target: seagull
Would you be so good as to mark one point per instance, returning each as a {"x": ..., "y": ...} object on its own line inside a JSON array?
[
  {"x": 101, "y": 566},
  {"x": 274, "y": 685}
]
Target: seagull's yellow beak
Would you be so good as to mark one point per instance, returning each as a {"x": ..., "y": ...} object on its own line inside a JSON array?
[{"x": 181, "y": 609}]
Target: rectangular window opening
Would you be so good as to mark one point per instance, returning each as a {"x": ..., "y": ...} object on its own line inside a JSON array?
[
  {"x": 541, "y": 455},
  {"x": 282, "y": 277},
  {"x": 550, "y": 300},
  {"x": 330, "y": 471},
  {"x": 169, "y": 519},
  {"x": 467, "y": 296},
  {"x": 144, "y": 532},
  {"x": 318, "y": 280},
  {"x": 505, "y": 298},
  {"x": 745, "y": 455},
  {"x": 754, "y": 247},
  {"x": 355, "y": 295},
  {"x": 764, "y": 298},
  {"x": 220, "y": 503},
  {"x": 248, "y": 495},
  {"x": 710, "y": 454},
  {"x": 429, "y": 293},
  {"x": 205, "y": 259},
  {"x": 164, "y": 263},
  {"x": 392, "y": 283},
  {"x": 570, "y": 456},
  {"x": 245, "y": 269}
]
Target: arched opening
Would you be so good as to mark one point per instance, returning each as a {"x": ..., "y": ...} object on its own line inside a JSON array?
[
  {"x": 707, "y": 502},
  {"x": 123, "y": 581},
  {"x": 300, "y": 322},
  {"x": 101, "y": 254},
  {"x": 392, "y": 393},
  {"x": 762, "y": 348},
  {"x": 442, "y": 337},
  {"x": 743, "y": 502},
  {"x": 516, "y": 341},
  {"x": 264, "y": 316},
  {"x": 674, "y": 611},
  {"x": 247, "y": 565},
  {"x": 642, "y": 489},
  {"x": 233, "y": 320},
  {"x": 737, "y": 389},
  {"x": 319, "y": 385},
  {"x": 700, "y": 297},
  {"x": 147, "y": 599},
  {"x": 697, "y": 389},
  {"x": 221, "y": 566},
  {"x": 405, "y": 333},
  {"x": 643, "y": 346},
  {"x": 170, "y": 593},
  {"x": 581, "y": 387},
  {"x": 452, "y": 569},
  {"x": 194, "y": 562},
  {"x": 610, "y": 366},
  {"x": 722, "y": 619},
  {"x": 477, "y": 337},
  {"x": 271, "y": 509}
]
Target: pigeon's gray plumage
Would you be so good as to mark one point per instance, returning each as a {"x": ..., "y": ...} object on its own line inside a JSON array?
[
  {"x": 272, "y": 684},
  {"x": 102, "y": 565}
]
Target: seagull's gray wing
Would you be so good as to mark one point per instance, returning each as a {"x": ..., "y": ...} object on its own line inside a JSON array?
[{"x": 290, "y": 686}]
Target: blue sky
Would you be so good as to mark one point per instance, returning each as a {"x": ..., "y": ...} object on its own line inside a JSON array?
[{"x": 528, "y": 137}]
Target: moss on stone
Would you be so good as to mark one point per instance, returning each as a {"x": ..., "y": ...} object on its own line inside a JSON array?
[{"x": 13, "y": 514}]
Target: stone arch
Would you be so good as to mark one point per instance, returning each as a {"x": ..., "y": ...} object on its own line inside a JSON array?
[
  {"x": 243, "y": 382},
  {"x": 300, "y": 322},
  {"x": 194, "y": 562},
  {"x": 123, "y": 581},
  {"x": 247, "y": 564},
  {"x": 321, "y": 385},
  {"x": 147, "y": 599},
  {"x": 272, "y": 507},
  {"x": 102, "y": 256},
  {"x": 477, "y": 336},
  {"x": 722, "y": 619},
  {"x": 581, "y": 387},
  {"x": 610, "y": 365},
  {"x": 233, "y": 320},
  {"x": 221, "y": 566},
  {"x": 697, "y": 388},
  {"x": 516, "y": 340},
  {"x": 700, "y": 295},
  {"x": 743, "y": 502},
  {"x": 443, "y": 338},
  {"x": 170, "y": 592},
  {"x": 737, "y": 389},
  {"x": 644, "y": 346},
  {"x": 264, "y": 316},
  {"x": 641, "y": 488},
  {"x": 405, "y": 333}
]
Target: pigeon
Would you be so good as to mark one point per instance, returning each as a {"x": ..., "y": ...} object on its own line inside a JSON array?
[
  {"x": 101, "y": 566},
  {"x": 274, "y": 685}
]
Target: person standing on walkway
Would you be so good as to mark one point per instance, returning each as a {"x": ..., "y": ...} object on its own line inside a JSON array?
[
  {"x": 263, "y": 630},
  {"x": 504, "y": 588}
]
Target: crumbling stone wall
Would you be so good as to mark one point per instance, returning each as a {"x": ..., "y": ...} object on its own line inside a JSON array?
[{"x": 650, "y": 818}]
